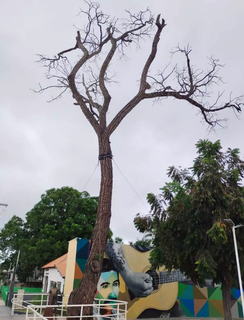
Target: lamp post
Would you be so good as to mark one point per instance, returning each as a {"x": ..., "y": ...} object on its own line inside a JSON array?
[
  {"x": 6, "y": 274},
  {"x": 231, "y": 223},
  {"x": 11, "y": 287}
]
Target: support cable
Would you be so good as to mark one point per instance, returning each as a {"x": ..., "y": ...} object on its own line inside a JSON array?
[{"x": 131, "y": 186}]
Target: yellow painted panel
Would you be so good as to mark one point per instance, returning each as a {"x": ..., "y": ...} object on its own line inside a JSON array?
[{"x": 70, "y": 268}]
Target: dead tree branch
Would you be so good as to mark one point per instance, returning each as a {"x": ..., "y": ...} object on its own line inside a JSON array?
[{"x": 103, "y": 35}]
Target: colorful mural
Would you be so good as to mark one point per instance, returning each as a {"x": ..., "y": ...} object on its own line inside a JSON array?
[
  {"x": 82, "y": 253},
  {"x": 127, "y": 276},
  {"x": 164, "y": 288},
  {"x": 207, "y": 302}
]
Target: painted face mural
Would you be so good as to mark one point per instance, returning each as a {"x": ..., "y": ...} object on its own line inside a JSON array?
[
  {"x": 108, "y": 289},
  {"x": 172, "y": 296}
]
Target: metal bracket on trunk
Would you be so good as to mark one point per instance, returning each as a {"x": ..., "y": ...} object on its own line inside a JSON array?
[{"x": 104, "y": 156}]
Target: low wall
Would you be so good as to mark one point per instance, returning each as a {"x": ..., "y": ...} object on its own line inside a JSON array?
[{"x": 5, "y": 290}]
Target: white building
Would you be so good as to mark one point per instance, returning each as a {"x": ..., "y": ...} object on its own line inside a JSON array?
[{"x": 54, "y": 271}]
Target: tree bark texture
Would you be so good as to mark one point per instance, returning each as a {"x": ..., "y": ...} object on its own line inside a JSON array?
[
  {"x": 88, "y": 286},
  {"x": 226, "y": 292}
]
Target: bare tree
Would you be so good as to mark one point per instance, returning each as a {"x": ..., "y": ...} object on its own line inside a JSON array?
[{"x": 88, "y": 77}]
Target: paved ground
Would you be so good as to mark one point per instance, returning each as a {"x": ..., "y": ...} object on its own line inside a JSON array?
[{"x": 5, "y": 313}]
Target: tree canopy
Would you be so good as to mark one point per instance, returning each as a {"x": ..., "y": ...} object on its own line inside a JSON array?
[
  {"x": 187, "y": 218},
  {"x": 61, "y": 215}
]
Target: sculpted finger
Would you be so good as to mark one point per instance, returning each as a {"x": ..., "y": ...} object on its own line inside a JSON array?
[
  {"x": 146, "y": 277},
  {"x": 147, "y": 292},
  {"x": 148, "y": 286}
]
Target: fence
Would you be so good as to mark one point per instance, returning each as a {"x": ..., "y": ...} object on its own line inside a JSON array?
[
  {"x": 21, "y": 302},
  {"x": 102, "y": 309}
]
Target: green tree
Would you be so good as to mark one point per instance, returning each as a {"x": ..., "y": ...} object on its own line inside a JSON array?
[
  {"x": 10, "y": 236},
  {"x": 61, "y": 215},
  {"x": 116, "y": 240},
  {"x": 88, "y": 77},
  {"x": 187, "y": 219},
  {"x": 13, "y": 237},
  {"x": 146, "y": 241}
]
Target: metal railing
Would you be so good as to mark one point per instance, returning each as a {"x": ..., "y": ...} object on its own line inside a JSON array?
[
  {"x": 20, "y": 302},
  {"x": 109, "y": 310},
  {"x": 37, "y": 303}
]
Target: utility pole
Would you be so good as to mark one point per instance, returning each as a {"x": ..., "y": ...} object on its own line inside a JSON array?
[{"x": 11, "y": 287}]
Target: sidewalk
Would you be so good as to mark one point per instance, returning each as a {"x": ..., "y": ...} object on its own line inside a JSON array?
[{"x": 5, "y": 313}]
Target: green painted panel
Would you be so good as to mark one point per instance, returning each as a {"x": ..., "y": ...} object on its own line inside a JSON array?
[
  {"x": 76, "y": 283},
  {"x": 188, "y": 293},
  {"x": 213, "y": 312},
  {"x": 210, "y": 291},
  {"x": 240, "y": 309},
  {"x": 181, "y": 288},
  {"x": 216, "y": 294}
]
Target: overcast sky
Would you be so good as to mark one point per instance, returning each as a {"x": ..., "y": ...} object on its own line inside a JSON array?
[{"x": 50, "y": 145}]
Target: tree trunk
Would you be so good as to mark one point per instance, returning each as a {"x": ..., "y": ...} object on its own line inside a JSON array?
[
  {"x": 86, "y": 291},
  {"x": 226, "y": 291}
]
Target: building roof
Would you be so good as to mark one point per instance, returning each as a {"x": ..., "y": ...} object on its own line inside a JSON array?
[{"x": 59, "y": 263}]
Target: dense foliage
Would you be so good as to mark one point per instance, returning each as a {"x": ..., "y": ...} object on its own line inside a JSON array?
[
  {"x": 61, "y": 215},
  {"x": 145, "y": 241},
  {"x": 188, "y": 218}
]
